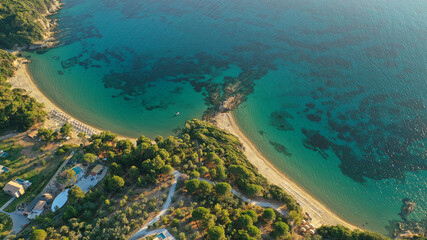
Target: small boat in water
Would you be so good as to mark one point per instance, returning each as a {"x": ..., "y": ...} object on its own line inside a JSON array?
[{"x": 177, "y": 113}]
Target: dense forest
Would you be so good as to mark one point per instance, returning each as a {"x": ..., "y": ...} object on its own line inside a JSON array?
[
  {"x": 20, "y": 21},
  {"x": 17, "y": 109}
]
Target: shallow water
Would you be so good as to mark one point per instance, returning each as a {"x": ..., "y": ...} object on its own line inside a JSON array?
[{"x": 336, "y": 90}]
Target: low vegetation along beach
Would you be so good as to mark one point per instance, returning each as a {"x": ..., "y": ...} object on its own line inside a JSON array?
[{"x": 64, "y": 179}]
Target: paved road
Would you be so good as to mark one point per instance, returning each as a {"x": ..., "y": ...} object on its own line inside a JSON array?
[
  {"x": 253, "y": 202},
  {"x": 7, "y": 203},
  {"x": 8, "y": 136},
  {"x": 141, "y": 232},
  {"x": 19, "y": 221}
]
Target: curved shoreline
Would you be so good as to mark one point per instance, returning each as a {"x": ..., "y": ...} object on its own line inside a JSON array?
[
  {"x": 320, "y": 214},
  {"x": 22, "y": 79}
]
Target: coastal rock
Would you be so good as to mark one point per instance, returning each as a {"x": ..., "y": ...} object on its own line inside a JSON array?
[
  {"x": 407, "y": 229},
  {"x": 48, "y": 26},
  {"x": 407, "y": 208}
]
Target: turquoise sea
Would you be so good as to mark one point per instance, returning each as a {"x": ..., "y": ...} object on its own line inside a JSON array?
[{"x": 333, "y": 92}]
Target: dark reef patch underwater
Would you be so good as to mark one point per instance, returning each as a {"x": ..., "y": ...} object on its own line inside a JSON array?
[{"x": 336, "y": 85}]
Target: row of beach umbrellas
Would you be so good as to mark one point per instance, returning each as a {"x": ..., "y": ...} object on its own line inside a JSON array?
[{"x": 78, "y": 126}]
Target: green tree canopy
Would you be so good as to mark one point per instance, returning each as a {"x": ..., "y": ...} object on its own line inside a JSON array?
[
  {"x": 66, "y": 129},
  {"x": 243, "y": 235},
  {"x": 205, "y": 187},
  {"x": 115, "y": 183},
  {"x": 167, "y": 169},
  {"x": 175, "y": 160},
  {"x": 253, "y": 231},
  {"x": 38, "y": 234},
  {"x": 134, "y": 172},
  {"x": 192, "y": 185},
  {"x": 268, "y": 215},
  {"x": 216, "y": 233},
  {"x": 75, "y": 194},
  {"x": 253, "y": 189},
  {"x": 124, "y": 144},
  {"x": 47, "y": 134},
  {"x": 89, "y": 158},
  {"x": 222, "y": 188},
  {"x": 142, "y": 139},
  {"x": 200, "y": 213},
  {"x": 244, "y": 221},
  {"x": 281, "y": 229},
  {"x": 252, "y": 214},
  {"x": 341, "y": 232},
  {"x": 17, "y": 110}
]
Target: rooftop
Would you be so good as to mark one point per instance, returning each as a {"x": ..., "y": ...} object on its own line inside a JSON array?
[
  {"x": 39, "y": 205},
  {"x": 97, "y": 169}
]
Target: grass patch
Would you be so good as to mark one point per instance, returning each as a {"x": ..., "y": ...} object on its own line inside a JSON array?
[
  {"x": 5, "y": 224},
  {"x": 4, "y": 198},
  {"x": 13, "y": 150}
]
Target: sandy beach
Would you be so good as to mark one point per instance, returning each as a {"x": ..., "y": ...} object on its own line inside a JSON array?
[
  {"x": 319, "y": 213},
  {"x": 22, "y": 79}
]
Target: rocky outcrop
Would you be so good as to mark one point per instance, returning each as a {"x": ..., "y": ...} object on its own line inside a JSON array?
[
  {"x": 48, "y": 25},
  {"x": 407, "y": 208}
]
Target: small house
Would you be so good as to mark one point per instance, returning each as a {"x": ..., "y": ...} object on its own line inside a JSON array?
[
  {"x": 96, "y": 170},
  {"x": 3, "y": 153},
  {"x": 37, "y": 210},
  {"x": 32, "y": 135},
  {"x": 3, "y": 169},
  {"x": 47, "y": 197},
  {"x": 14, "y": 189},
  {"x": 164, "y": 235}
]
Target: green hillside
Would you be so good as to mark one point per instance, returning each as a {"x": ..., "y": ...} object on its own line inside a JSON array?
[{"x": 20, "y": 21}]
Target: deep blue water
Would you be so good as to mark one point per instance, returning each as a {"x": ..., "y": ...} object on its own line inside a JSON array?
[{"x": 334, "y": 92}]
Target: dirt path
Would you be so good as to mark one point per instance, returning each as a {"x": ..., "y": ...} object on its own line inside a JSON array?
[{"x": 253, "y": 202}]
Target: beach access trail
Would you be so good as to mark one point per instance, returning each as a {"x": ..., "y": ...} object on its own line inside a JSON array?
[
  {"x": 276, "y": 207},
  {"x": 319, "y": 213}
]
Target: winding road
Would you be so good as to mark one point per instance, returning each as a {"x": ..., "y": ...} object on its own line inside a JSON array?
[{"x": 143, "y": 230}]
